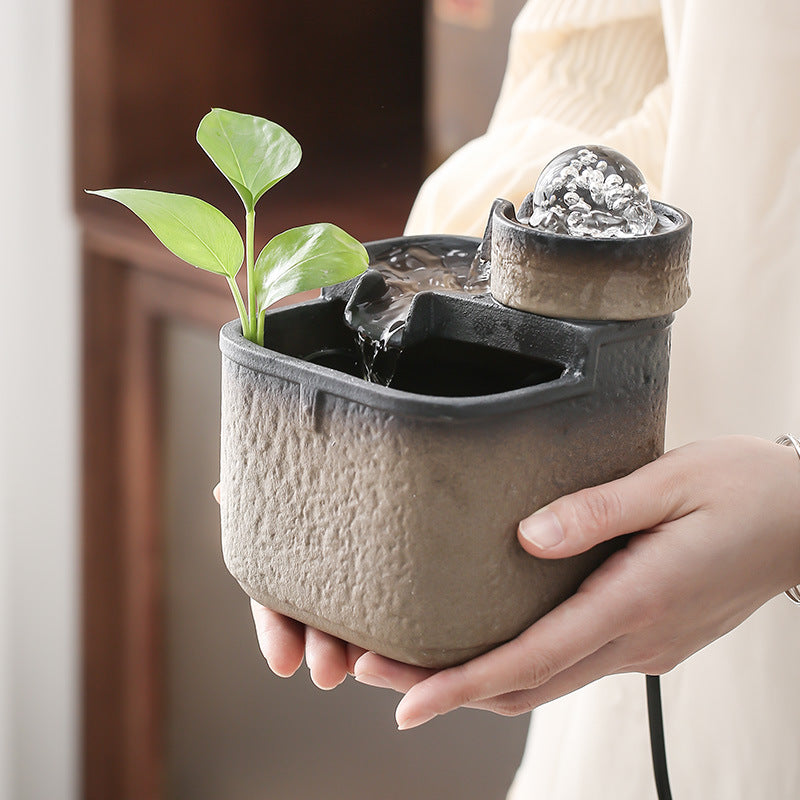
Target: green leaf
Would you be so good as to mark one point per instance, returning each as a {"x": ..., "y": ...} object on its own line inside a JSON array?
[
  {"x": 191, "y": 228},
  {"x": 251, "y": 152},
  {"x": 306, "y": 258}
]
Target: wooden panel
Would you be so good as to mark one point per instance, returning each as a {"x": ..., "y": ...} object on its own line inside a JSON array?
[
  {"x": 102, "y": 565},
  {"x": 342, "y": 80},
  {"x": 94, "y": 136},
  {"x": 121, "y": 580}
]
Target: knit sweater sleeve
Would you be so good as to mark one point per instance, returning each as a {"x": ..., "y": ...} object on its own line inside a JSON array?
[{"x": 579, "y": 72}]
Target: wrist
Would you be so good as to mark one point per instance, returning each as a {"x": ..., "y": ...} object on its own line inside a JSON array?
[{"x": 793, "y": 592}]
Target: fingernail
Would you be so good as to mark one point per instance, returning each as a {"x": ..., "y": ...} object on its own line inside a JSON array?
[
  {"x": 280, "y": 673},
  {"x": 542, "y": 529},
  {"x": 372, "y": 680},
  {"x": 414, "y": 721}
]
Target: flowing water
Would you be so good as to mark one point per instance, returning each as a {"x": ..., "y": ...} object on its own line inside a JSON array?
[{"x": 407, "y": 272}]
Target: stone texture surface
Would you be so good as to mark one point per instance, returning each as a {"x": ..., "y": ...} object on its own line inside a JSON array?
[
  {"x": 396, "y": 531},
  {"x": 569, "y": 277}
]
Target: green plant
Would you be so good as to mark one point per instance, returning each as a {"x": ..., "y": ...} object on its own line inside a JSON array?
[{"x": 253, "y": 154}]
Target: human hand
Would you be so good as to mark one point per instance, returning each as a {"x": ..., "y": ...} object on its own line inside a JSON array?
[
  {"x": 284, "y": 642},
  {"x": 719, "y": 535}
]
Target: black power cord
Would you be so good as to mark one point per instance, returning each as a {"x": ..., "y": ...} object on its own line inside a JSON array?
[{"x": 657, "y": 747}]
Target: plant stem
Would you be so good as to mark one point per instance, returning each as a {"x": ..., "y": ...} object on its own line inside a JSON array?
[
  {"x": 240, "y": 306},
  {"x": 250, "y": 226},
  {"x": 260, "y": 328}
]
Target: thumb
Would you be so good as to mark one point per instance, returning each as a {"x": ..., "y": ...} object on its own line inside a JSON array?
[{"x": 576, "y": 522}]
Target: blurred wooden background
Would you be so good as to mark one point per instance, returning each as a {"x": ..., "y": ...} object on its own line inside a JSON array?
[{"x": 176, "y": 702}]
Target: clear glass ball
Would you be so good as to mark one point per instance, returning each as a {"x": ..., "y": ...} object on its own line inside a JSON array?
[{"x": 592, "y": 191}]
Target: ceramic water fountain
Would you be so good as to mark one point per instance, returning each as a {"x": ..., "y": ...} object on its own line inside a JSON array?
[{"x": 386, "y": 514}]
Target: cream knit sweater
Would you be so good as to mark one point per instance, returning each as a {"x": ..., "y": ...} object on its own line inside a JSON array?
[{"x": 702, "y": 95}]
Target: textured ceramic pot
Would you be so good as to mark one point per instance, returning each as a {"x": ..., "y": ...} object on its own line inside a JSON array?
[
  {"x": 584, "y": 278},
  {"x": 388, "y": 516}
]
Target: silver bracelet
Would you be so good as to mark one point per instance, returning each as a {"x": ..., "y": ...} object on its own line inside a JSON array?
[{"x": 794, "y": 593}]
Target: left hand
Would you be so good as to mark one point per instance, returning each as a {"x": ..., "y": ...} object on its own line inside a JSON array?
[{"x": 718, "y": 527}]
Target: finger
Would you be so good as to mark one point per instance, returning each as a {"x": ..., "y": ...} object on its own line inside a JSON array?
[
  {"x": 385, "y": 673},
  {"x": 216, "y": 492},
  {"x": 576, "y": 522},
  {"x": 607, "y": 660},
  {"x": 326, "y": 657},
  {"x": 578, "y": 627},
  {"x": 281, "y": 640},
  {"x": 353, "y": 654}
]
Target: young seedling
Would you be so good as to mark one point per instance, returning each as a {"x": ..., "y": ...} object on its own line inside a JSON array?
[{"x": 253, "y": 154}]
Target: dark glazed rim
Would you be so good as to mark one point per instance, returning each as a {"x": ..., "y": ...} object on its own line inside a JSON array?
[
  {"x": 339, "y": 384},
  {"x": 503, "y": 212},
  {"x": 576, "y": 380}
]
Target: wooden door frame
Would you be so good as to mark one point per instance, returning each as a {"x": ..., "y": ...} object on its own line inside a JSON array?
[{"x": 131, "y": 288}]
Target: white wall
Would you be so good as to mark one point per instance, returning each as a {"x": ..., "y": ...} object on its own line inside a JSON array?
[{"x": 38, "y": 411}]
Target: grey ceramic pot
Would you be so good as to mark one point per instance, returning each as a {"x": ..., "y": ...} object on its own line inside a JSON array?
[
  {"x": 572, "y": 276},
  {"x": 388, "y": 516}
]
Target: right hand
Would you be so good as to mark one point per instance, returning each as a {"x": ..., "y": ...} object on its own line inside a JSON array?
[{"x": 284, "y": 642}]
